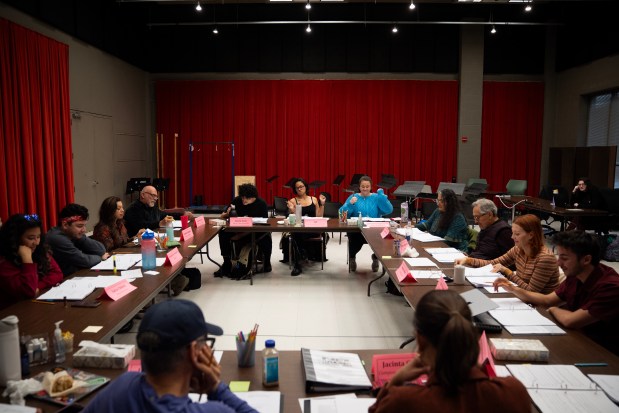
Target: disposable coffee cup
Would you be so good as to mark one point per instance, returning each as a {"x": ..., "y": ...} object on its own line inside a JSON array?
[{"x": 459, "y": 274}]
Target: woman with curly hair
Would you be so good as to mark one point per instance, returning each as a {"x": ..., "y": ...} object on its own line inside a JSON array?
[
  {"x": 110, "y": 230},
  {"x": 26, "y": 266},
  {"x": 447, "y": 221}
]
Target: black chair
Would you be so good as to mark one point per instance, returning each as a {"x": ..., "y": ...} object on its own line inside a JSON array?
[
  {"x": 280, "y": 205},
  {"x": 354, "y": 183},
  {"x": 427, "y": 208},
  {"x": 561, "y": 199},
  {"x": 396, "y": 203},
  {"x": 332, "y": 211}
]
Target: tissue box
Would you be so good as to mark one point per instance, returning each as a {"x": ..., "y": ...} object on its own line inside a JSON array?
[
  {"x": 518, "y": 349},
  {"x": 92, "y": 357}
]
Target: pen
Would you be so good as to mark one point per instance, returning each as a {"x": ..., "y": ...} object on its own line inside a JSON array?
[
  {"x": 591, "y": 364},
  {"x": 114, "y": 263},
  {"x": 42, "y": 302}
]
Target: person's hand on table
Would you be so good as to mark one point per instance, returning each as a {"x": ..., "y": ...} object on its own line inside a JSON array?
[
  {"x": 498, "y": 268},
  {"x": 503, "y": 282},
  {"x": 105, "y": 256}
]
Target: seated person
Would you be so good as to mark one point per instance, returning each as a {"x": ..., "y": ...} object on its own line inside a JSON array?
[
  {"x": 448, "y": 348},
  {"x": 536, "y": 266},
  {"x": 72, "y": 249},
  {"x": 144, "y": 213},
  {"x": 247, "y": 204},
  {"x": 369, "y": 205},
  {"x": 173, "y": 340},
  {"x": 26, "y": 266},
  {"x": 111, "y": 230},
  {"x": 310, "y": 207},
  {"x": 586, "y": 196},
  {"x": 495, "y": 235},
  {"x": 447, "y": 221},
  {"x": 587, "y": 298}
]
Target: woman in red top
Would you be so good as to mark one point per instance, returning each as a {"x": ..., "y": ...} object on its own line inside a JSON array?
[
  {"x": 110, "y": 230},
  {"x": 26, "y": 266}
]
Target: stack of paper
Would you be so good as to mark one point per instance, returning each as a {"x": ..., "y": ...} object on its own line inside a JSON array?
[
  {"x": 520, "y": 318},
  {"x": 76, "y": 288},
  {"x": 483, "y": 277},
  {"x": 445, "y": 255},
  {"x": 123, "y": 262}
]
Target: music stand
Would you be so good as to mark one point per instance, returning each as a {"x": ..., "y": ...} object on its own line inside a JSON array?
[
  {"x": 270, "y": 183},
  {"x": 458, "y": 188},
  {"x": 387, "y": 182},
  {"x": 136, "y": 185},
  {"x": 290, "y": 182},
  {"x": 161, "y": 184},
  {"x": 337, "y": 181},
  {"x": 315, "y": 185},
  {"x": 354, "y": 183}
]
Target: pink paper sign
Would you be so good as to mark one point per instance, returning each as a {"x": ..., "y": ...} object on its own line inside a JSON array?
[
  {"x": 403, "y": 246},
  {"x": 135, "y": 365},
  {"x": 441, "y": 284},
  {"x": 173, "y": 257},
  {"x": 199, "y": 222},
  {"x": 377, "y": 224},
  {"x": 315, "y": 222},
  {"x": 485, "y": 359},
  {"x": 386, "y": 234},
  {"x": 186, "y": 234},
  {"x": 241, "y": 222},
  {"x": 404, "y": 275},
  {"x": 117, "y": 290}
]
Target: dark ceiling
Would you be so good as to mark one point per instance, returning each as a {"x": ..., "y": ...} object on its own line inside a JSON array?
[{"x": 259, "y": 36}]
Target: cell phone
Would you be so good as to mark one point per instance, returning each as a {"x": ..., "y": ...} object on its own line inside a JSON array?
[{"x": 87, "y": 304}]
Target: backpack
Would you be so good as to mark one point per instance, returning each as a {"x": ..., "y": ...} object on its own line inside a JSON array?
[{"x": 611, "y": 252}]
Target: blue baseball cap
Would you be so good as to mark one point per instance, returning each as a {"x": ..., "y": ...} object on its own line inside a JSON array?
[{"x": 176, "y": 323}]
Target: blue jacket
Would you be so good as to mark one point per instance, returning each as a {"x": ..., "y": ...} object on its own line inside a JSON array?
[{"x": 374, "y": 206}]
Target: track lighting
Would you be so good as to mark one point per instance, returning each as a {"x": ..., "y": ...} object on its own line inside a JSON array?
[{"x": 198, "y": 7}]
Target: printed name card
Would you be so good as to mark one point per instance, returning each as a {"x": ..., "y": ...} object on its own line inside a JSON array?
[
  {"x": 485, "y": 359},
  {"x": 199, "y": 222},
  {"x": 173, "y": 257},
  {"x": 241, "y": 222},
  {"x": 404, "y": 275},
  {"x": 377, "y": 224},
  {"x": 186, "y": 234},
  {"x": 117, "y": 290},
  {"x": 315, "y": 222},
  {"x": 403, "y": 246},
  {"x": 441, "y": 284},
  {"x": 386, "y": 234}
]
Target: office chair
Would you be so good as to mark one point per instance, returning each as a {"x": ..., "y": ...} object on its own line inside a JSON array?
[
  {"x": 516, "y": 187},
  {"x": 280, "y": 205},
  {"x": 331, "y": 211},
  {"x": 561, "y": 199}
]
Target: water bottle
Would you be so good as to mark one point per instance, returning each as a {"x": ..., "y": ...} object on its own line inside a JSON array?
[
  {"x": 10, "y": 363},
  {"x": 360, "y": 221},
  {"x": 552, "y": 203},
  {"x": 270, "y": 364},
  {"x": 59, "y": 343},
  {"x": 404, "y": 213},
  {"x": 396, "y": 248},
  {"x": 169, "y": 229},
  {"x": 297, "y": 212},
  {"x": 149, "y": 253}
]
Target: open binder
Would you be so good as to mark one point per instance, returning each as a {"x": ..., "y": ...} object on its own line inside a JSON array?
[{"x": 327, "y": 371}]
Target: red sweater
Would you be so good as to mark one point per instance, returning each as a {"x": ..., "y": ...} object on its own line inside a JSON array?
[{"x": 20, "y": 283}]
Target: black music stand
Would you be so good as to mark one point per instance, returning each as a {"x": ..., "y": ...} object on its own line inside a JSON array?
[
  {"x": 270, "y": 183},
  {"x": 337, "y": 181},
  {"x": 354, "y": 183},
  {"x": 161, "y": 184},
  {"x": 136, "y": 185},
  {"x": 315, "y": 185}
]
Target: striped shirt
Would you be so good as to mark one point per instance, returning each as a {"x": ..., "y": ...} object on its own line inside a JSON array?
[{"x": 539, "y": 273}]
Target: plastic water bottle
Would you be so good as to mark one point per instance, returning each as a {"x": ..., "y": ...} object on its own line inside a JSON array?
[
  {"x": 149, "y": 252},
  {"x": 59, "y": 343},
  {"x": 169, "y": 230},
  {"x": 360, "y": 221},
  {"x": 404, "y": 212},
  {"x": 297, "y": 212},
  {"x": 10, "y": 364},
  {"x": 270, "y": 364},
  {"x": 552, "y": 203}
]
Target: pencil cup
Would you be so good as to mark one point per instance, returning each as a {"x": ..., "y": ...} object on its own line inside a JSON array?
[{"x": 246, "y": 353}]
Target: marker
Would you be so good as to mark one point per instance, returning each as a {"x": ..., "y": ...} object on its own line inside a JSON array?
[
  {"x": 114, "y": 263},
  {"x": 591, "y": 364}
]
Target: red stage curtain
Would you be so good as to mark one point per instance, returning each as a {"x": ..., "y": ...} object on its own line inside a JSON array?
[
  {"x": 35, "y": 127},
  {"x": 511, "y": 138},
  {"x": 315, "y": 129}
]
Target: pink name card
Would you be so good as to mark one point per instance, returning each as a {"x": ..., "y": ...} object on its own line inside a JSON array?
[
  {"x": 241, "y": 222},
  {"x": 186, "y": 234},
  {"x": 315, "y": 222},
  {"x": 403, "y": 246},
  {"x": 386, "y": 234},
  {"x": 117, "y": 290},
  {"x": 441, "y": 284},
  {"x": 377, "y": 224},
  {"x": 173, "y": 257},
  {"x": 199, "y": 222},
  {"x": 404, "y": 275}
]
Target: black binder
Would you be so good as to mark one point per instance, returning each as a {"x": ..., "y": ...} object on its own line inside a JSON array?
[{"x": 312, "y": 385}]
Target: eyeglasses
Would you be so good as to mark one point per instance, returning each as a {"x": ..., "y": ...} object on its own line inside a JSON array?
[
  {"x": 210, "y": 341},
  {"x": 153, "y": 195},
  {"x": 300, "y": 187},
  {"x": 440, "y": 200},
  {"x": 476, "y": 217},
  {"x": 32, "y": 217}
]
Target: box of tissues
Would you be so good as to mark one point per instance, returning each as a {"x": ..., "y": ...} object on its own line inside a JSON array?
[{"x": 104, "y": 356}]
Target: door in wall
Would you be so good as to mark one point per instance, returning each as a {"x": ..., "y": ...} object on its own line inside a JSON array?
[{"x": 93, "y": 161}]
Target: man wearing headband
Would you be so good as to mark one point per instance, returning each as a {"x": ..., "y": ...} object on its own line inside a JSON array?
[
  {"x": 73, "y": 250},
  {"x": 177, "y": 358}
]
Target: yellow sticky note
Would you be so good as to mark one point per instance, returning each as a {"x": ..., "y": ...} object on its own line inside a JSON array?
[
  {"x": 92, "y": 329},
  {"x": 239, "y": 386}
]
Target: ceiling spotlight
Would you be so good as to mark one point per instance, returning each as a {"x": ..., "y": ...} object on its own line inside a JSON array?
[
  {"x": 395, "y": 29},
  {"x": 215, "y": 31},
  {"x": 412, "y": 5},
  {"x": 308, "y": 28},
  {"x": 308, "y": 5},
  {"x": 493, "y": 30},
  {"x": 198, "y": 7}
]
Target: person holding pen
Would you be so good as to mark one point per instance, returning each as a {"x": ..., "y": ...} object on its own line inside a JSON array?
[
  {"x": 173, "y": 339},
  {"x": 448, "y": 348},
  {"x": 26, "y": 266},
  {"x": 536, "y": 266},
  {"x": 587, "y": 299},
  {"x": 369, "y": 205}
]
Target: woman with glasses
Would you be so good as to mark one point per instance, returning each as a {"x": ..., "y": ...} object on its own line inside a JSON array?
[
  {"x": 26, "y": 266},
  {"x": 536, "y": 265},
  {"x": 111, "y": 230},
  {"x": 448, "y": 348},
  {"x": 310, "y": 207},
  {"x": 447, "y": 221}
]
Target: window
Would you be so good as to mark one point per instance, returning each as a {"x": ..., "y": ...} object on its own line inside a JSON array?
[{"x": 603, "y": 124}]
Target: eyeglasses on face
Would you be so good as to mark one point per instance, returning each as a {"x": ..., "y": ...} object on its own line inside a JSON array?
[
  {"x": 210, "y": 341},
  {"x": 440, "y": 200},
  {"x": 476, "y": 217},
  {"x": 153, "y": 195},
  {"x": 300, "y": 187}
]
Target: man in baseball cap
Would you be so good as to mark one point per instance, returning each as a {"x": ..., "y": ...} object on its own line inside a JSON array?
[{"x": 176, "y": 358}]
